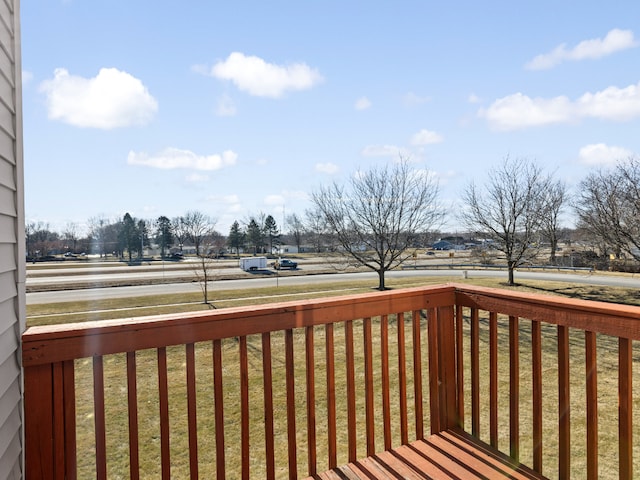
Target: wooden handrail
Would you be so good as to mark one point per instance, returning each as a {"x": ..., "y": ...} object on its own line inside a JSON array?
[
  {"x": 54, "y": 343},
  {"x": 47, "y": 350},
  {"x": 329, "y": 349},
  {"x": 567, "y": 315}
]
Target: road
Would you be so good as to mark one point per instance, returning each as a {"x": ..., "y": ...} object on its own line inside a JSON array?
[
  {"x": 172, "y": 288},
  {"x": 160, "y": 272}
]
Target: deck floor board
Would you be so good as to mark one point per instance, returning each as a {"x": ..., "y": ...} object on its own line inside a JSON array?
[{"x": 448, "y": 455}]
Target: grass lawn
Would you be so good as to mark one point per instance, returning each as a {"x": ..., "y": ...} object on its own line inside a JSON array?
[{"x": 116, "y": 388}]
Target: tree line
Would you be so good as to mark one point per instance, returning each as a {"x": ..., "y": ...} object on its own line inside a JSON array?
[
  {"x": 129, "y": 236},
  {"x": 379, "y": 216}
]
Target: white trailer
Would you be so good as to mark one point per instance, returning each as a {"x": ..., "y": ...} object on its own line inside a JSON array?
[{"x": 253, "y": 263}]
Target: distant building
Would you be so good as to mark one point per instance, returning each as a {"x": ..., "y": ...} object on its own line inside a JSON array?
[{"x": 443, "y": 245}]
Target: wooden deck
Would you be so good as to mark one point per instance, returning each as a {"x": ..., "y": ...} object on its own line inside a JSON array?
[
  {"x": 447, "y": 381},
  {"x": 447, "y": 455}
]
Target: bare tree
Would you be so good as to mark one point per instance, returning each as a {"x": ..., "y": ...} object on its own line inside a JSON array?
[
  {"x": 198, "y": 226},
  {"x": 608, "y": 207},
  {"x": 98, "y": 230},
  {"x": 509, "y": 209},
  {"x": 180, "y": 230},
  {"x": 556, "y": 197},
  {"x": 71, "y": 235},
  {"x": 380, "y": 214},
  {"x": 212, "y": 246},
  {"x": 40, "y": 240},
  {"x": 296, "y": 229},
  {"x": 315, "y": 227}
]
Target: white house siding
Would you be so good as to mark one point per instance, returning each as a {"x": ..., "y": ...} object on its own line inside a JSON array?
[{"x": 12, "y": 254}]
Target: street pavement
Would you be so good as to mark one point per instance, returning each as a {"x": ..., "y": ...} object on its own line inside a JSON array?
[{"x": 273, "y": 280}]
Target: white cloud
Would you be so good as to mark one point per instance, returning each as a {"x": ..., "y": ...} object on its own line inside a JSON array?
[
  {"x": 614, "y": 41},
  {"x": 425, "y": 137},
  {"x": 226, "y": 107},
  {"x": 600, "y": 154},
  {"x": 171, "y": 158},
  {"x": 520, "y": 111},
  {"x": 253, "y": 75},
  {"x": 385, "y": 151},
  {"x": 328, "y": 168},
  {"x": 111, "y": 99},
  {"x": 612, "y": 103},
  {"x": 412, "y": 100},
  {"x": 363, "y": 103}
]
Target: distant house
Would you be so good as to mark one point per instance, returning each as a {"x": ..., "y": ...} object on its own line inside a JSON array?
[
  {"x": 443, "y": 245},
  {"x": 281, "y": 249},
  {"x": 284, "y": 249}
]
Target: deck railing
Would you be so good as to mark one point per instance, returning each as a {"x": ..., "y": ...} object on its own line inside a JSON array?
[{"x": 292, "y": 389}]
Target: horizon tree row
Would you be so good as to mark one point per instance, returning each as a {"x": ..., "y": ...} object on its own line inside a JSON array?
[{"x": 379, "y": 215}]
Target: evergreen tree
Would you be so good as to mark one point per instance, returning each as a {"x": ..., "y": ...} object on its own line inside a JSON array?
[
  {"x": 143, "y": 236},
  {"x": 236, "y": 238},
  {"x": 254, "y": 235},
  {"x": 128, "y": 237},
  {"x": 164, "y": 235},
  {"x": 271, "y": 231}
]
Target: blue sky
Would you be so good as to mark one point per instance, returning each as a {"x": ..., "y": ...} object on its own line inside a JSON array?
[{"x": 236, "y": 108}]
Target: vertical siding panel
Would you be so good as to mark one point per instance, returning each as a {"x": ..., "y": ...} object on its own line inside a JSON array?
[{"x": 12, "y": 274}]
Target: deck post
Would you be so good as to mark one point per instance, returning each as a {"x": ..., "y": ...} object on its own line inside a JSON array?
[
  {"x": 442, "y": 368},
  {"x": 46, "y": 434}
]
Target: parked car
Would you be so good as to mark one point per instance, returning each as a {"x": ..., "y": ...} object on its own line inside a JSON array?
[{"x": 285, "y": 263}]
